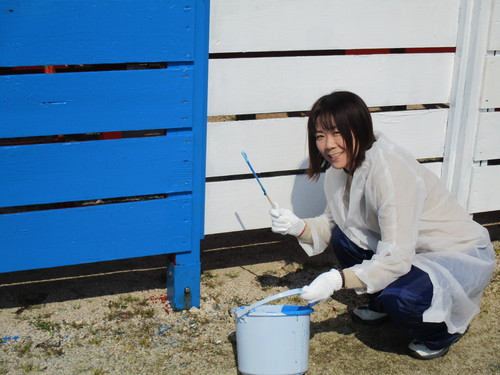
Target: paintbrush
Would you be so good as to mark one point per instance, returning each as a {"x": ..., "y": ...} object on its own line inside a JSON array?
[{"x": 273, "y": 205}]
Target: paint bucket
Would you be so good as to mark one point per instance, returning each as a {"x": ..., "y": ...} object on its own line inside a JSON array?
[{"x": 273, "y": 339}]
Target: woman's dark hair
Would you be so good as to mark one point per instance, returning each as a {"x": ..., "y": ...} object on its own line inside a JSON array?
[{"x": 348, "y": 113}]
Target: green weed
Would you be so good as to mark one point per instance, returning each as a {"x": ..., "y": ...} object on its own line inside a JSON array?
[
  {"x": 45, "y": 325},
  {"x": 209, "y": 280},
  {"x": 271, "y": 273},
  {"x": 145, "y": 342},
  {"x": 128, "y": 307},
  {"x": 129, "y": 299},
  {"x": 30, "y": 367},
  {"x": 23, "y": 348},
  {"x": 237, "y": 301},
  {"x": 76, "y": 325},
  {"x": 50, "y": 349},
  {"x": 96, "y": 340},
  {"x": 207, "y": 275},
  {"x": 117, "y": 305}
]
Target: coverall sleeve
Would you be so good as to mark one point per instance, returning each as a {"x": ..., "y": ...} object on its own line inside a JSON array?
[
  {"x": 397, "y": 193},
  {"x": 321, "y": 231}
]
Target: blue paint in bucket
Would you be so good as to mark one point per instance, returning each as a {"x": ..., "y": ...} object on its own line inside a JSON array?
[{"x": 273, "y": 340}]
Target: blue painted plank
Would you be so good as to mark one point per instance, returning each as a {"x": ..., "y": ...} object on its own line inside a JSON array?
[
  {"x": 91, "y": 234},
  {"x": 62, "y": 172},
  {"x": 60, "y": 32},
  {"x": 199, "y": 120},
  {"x": 72, "y": 103}
]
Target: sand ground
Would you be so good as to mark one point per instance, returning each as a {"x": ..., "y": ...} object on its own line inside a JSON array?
[{"x": 114, "y": 318}]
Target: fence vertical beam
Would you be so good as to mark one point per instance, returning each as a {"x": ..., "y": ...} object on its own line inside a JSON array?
[
  {"x": 472, "y": 42},
  {"x": 183, "y": 274}
]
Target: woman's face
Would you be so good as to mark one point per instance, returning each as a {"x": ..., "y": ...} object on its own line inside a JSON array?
[{"x": 331, "y": 145}]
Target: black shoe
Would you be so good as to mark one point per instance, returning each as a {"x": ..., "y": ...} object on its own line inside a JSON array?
[{"x": 362, "y": 314}]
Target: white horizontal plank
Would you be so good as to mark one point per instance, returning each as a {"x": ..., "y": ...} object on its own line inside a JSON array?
[
  {"x": 263, "y": 85},
  {"x": 423, "y": 133},
  {"x": 484, "y": 193},
  {"x": 271, "y": 145},
  {"x": 281, "y": 25},
  {"x": 240, "y": 205},
  {"x": 490, "y": 95},
  {"x": 281, "y": 144},
  {"x": 488, "y": 136},
  {"x": 494, "y": 37},
  {"x": 436, "y": 168}
]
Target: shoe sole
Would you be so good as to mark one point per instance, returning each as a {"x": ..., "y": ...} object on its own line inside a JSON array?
[
  {"x": 445, "y": 351},
  {"x": 440, "y": 354}
]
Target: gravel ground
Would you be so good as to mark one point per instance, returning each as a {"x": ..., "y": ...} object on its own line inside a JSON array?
[{"x": 114, "y": 318}]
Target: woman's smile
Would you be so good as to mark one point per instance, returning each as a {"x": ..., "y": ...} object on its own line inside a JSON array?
[
  {"x": 334, "y": 156},
  {"x": 331, "y": 145}
]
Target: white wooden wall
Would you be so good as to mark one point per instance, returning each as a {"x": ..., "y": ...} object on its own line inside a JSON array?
[
  {"x": 472, "y": 151},
  {"x": 485, "y": 182},
  {"x": 269, "y": 57}
]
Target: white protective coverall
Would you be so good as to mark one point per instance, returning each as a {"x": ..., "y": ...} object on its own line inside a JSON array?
[{"x": 403, "y": 213}]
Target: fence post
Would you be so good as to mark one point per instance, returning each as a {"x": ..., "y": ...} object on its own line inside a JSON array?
[{"x": 474, "y": 22}]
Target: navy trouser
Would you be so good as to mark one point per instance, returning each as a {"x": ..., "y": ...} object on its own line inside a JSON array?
[{"x": 404, "y": 300}]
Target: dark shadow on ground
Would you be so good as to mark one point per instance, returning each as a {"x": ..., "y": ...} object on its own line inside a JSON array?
[
  {"x": 32, "y": 287},
  {"x": 248, "y": 247},
  {"x": 25, "y": 288},
  {"x": 386, "y": 337}
]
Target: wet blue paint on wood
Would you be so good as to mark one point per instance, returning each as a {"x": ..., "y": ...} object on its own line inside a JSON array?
[
  {"x": 169, "y": 33},
  {"x": 58, "y": 32},
  {"x": 72, "y": 103},
  {"x": 65, "y": 172},
  {"x": 52, "y": 238}
]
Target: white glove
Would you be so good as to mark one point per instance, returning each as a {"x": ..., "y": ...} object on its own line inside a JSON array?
[
  {"x": 322, "y": 286},
  {"x": 285, "y": 222}
]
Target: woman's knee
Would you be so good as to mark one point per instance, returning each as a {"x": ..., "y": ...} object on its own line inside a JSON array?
[
  {"x": 401, "y": 306},
  {"x": 408, "y": 297},
  {"x": 346, "y": 251}
]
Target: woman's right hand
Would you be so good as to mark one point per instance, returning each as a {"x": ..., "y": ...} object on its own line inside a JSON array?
[{"x": 286, "y": 222}]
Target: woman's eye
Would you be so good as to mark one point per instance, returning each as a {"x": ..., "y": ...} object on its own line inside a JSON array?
[
  {"x": 336, "y": 133},
  {"x": 319, "y": 136}
]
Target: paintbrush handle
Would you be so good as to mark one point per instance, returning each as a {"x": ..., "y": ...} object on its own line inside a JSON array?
[{"x": 273, "y": 205}]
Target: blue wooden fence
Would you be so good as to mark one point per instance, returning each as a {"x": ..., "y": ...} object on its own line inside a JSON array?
[{"x": 132, "y": 71}]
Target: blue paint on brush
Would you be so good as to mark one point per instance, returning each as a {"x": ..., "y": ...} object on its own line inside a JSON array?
[{"x": 257, "y": 178}]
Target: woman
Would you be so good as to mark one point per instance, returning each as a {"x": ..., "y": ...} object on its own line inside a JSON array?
[{"x": 396, "y": 231}]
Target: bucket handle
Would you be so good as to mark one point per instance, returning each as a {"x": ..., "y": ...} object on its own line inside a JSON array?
[{"x": 288, "y": 293}]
